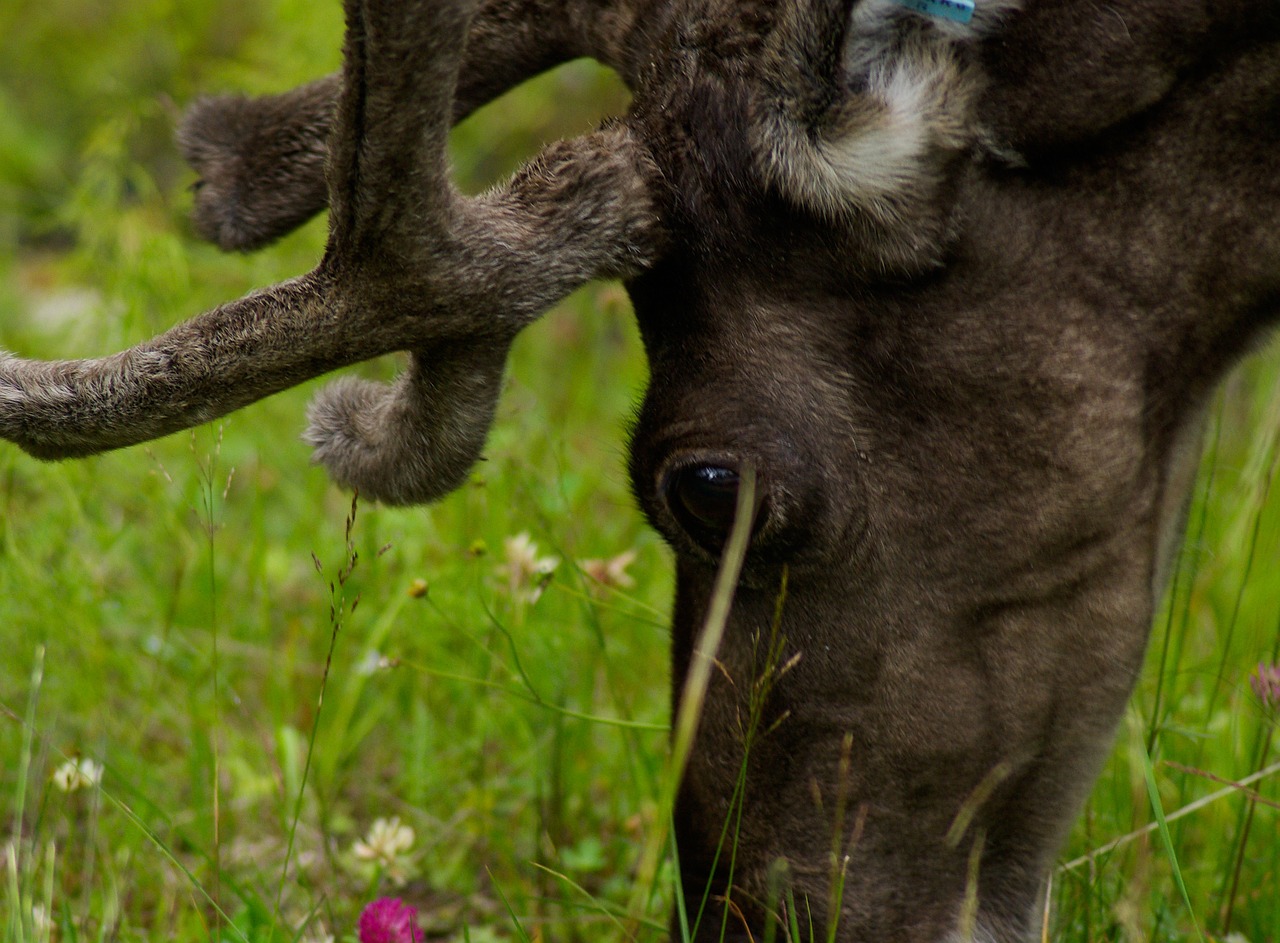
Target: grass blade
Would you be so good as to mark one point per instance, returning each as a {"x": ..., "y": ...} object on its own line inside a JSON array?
[{"x": 1157, "y": 808}]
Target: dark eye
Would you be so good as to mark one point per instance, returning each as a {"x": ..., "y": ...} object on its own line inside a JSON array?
[{"x": 703, "y": 499}]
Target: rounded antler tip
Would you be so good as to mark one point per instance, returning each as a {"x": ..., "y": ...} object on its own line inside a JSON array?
[
  {"x": 333, "y": 427},
  {"x": 258, "y": 168},
  {"x": 383, "y": 442}
]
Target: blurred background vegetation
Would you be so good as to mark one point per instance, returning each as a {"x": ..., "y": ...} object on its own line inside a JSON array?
[{"x": 170, "y": 611}]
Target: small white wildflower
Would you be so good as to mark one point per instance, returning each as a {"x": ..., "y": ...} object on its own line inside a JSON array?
[
  {"x": 67, "y": 776},
  {"x": 611, "y": 573},
  {"x": 524, "y": 571},
  {"x": 77, "y": 774},
  {"x": 387, "y": 845}
]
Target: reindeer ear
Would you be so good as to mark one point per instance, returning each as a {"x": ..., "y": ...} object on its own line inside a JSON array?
[
  {"x": 899, "y": 117},
  {"x": 1052, "y": 97}
]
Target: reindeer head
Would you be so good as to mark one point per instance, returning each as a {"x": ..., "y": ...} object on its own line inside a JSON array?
[{"x": 930, "y": 308}]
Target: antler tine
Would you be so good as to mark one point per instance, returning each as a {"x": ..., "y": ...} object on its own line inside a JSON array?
[
  {"x": 388, "y": 172},
  {"x": 416, "y": 439},
  {"x": 188, "y": 375},
  {"x": 261, "y": 162}
]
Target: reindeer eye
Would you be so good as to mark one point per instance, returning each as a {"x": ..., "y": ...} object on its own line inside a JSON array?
[{"x": 703, "y": 499}]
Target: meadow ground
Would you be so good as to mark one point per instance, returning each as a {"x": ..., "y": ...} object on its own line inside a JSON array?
[{"x": 174, "y": 613}]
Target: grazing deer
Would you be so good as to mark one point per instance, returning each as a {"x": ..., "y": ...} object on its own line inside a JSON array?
[{"x": 951, "y": 289}]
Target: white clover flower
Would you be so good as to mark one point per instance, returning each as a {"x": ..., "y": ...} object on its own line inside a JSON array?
[
  {"x": 83, "y": 773},
  {"x": 524, "y": 572},
  {"x": 387, "y": 845}
]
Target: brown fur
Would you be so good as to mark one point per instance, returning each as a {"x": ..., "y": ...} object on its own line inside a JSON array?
[{"x": 964, "y": 372}]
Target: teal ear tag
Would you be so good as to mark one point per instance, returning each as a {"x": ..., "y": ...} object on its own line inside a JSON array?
[{"x": 959, "y": 10}]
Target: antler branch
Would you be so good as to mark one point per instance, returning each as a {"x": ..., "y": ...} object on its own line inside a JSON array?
[{"x": 411, "y": 264}]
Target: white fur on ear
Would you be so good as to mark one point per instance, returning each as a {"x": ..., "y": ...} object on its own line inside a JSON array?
[
  {"x": 880, "y": 154},
  {"x": 880, "y": 147}
]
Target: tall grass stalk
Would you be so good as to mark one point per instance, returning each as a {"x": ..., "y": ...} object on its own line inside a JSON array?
[
  {"x": 28, "y": 743},
  {"x": 338, "y": 609},
  {"x": 694, "y": 692},
  {"x": 209, "y": 519},
  {"x": 1255, "y": 531},
  {"x": 1237, "y": 864},
  {"x": 18, "y": 870},
  {"x": 1186, "y": 567}
]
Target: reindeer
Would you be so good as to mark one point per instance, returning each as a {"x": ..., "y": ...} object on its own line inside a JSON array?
[{"x": 932, "y": 306}]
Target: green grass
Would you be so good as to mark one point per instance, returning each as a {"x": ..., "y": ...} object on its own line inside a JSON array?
[
  {"x": 169, "y": 611},
  {"x": 1194, "y": 725}
]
